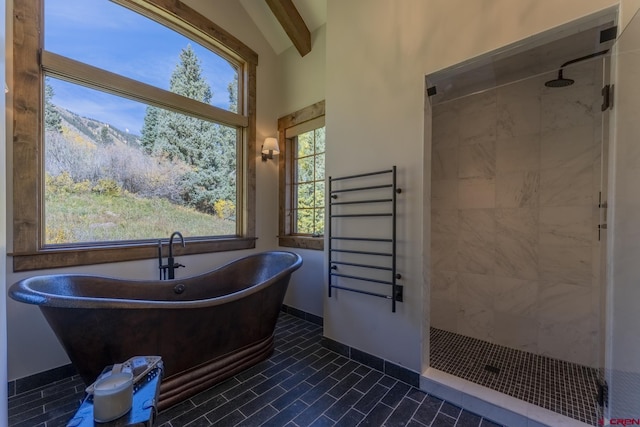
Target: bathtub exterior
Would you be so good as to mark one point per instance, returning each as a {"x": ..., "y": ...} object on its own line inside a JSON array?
[{"x": 221, "y": 323}]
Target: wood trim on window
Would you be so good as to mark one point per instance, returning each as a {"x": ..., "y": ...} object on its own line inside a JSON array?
[
  {"x": 179, "y": 16},
  {"x": 28, "y": 252},
  {"x": 61, "y": 67},
  {"x": 72, "y": 256},
  {"x": 285, "y": 238}
]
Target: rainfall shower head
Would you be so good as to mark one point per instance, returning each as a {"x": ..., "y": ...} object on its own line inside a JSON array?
[{"x": 560, "y": 81}]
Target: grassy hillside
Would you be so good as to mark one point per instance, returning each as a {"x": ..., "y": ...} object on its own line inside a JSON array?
[
  {"x": 101, "y": 186},
  {"x": 86, "y": 217}
]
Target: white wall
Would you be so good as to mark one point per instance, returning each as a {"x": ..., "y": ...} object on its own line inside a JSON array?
[
  {"x": 374, "y": 120},
  {"x": 302, "y": 78},
  {"x": 378, "y": 53},
  {"x": 302, "y": 83},
  {"x": 32, "y": 347}
]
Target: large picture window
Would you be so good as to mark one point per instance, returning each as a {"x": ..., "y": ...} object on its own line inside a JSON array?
[
  {"x": 302, "y": 178},
  {"x": 146, "y": 121}
]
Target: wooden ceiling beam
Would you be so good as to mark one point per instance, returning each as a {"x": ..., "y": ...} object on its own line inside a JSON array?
[{"x": 293, "y": 24}]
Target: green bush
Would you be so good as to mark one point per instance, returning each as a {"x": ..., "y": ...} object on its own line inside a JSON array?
[
  {"x": 225, "y": 209},
  {"x": 107, "y": 187},
  {"x": 62, "y": 183}
]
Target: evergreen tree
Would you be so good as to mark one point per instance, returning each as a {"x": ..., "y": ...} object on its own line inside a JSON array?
[
  {"x": 310, "y": 175},
  {"x": 232, "y": 88},
  {"x": 52, "y": 120},
  {"x": 150, "y": 129},
  {"x": 187, "y": 79},
  {"x": 105, "y": 138},
  {"x": 207, "y": 147}
]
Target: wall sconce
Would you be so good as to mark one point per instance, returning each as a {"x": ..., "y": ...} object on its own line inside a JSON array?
[{"x": 269, "y": 148}]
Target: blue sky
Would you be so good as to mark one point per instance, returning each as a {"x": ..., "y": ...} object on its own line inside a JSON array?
[{"x": 115, "y": 39}]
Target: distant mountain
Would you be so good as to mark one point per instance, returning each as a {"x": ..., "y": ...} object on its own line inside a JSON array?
[{"x": 93, "y": 131}]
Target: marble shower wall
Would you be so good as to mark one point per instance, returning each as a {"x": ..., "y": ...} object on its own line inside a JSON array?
[{"x": 514, "y": 242}]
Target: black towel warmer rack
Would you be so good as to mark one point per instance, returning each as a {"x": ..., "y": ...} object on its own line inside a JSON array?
[{"x": 396, "y": 294}]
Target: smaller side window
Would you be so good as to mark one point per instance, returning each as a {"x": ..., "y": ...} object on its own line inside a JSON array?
[{"x": 302, "y": 178}]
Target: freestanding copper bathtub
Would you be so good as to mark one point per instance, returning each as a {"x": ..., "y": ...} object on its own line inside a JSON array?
[{"x": 206, "y": 328}]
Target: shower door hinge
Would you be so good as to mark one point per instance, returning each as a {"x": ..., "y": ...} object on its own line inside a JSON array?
[
  {"x": 602, "y": 205},
  {"x": 600, "y": 228},
  {"x": 607, "y": 97},
  {"x": 603, "y": 394}
]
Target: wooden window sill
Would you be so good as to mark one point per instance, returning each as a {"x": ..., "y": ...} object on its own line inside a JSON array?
[
  {"x": 302, "y": 242},
  {"x": 74, "y": 256}
]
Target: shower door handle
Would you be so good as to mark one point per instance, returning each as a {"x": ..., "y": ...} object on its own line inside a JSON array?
[{"x": 607, "y": 97}]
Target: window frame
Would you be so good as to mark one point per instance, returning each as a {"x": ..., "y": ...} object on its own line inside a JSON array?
[
  {"x": 30, "y": 62},
  {"x": 286, "y": 168}
]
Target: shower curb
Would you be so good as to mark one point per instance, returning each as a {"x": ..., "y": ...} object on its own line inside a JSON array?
[{"x": 491, "y": 404}]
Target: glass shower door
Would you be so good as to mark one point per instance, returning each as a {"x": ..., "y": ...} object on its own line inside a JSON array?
[{"x": 622, "y": 360}]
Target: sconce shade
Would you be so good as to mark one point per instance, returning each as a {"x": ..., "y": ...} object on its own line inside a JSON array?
[
  {"x": 269, "y": 148},
  {"x": 270, "y": 144}
]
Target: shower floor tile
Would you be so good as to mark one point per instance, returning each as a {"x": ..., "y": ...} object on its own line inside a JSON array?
[
  {"x": 301, "y": 384},
  {"x": 562, "y": 387}
]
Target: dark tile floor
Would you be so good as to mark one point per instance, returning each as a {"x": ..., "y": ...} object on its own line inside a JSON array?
[
  {"x": 301, "y": 384},
  {"x": 562, "y": 387}
]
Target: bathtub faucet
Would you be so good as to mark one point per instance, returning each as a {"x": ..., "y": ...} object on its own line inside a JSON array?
[{"x": 170, "y": 267}]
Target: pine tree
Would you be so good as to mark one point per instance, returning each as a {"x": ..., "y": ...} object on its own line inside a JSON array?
[
  {"x": 105, "y": 138},
  {"x": 207, "y": 147},
  {"x": 232, "y": 88},
  {"x": 187, "y": 79},
  {"x": 310, "y": 175},
  {"x": 150, "y": 129},
  {"x": 52, "y": 120}
]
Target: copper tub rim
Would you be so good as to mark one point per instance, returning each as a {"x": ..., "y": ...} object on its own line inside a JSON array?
[{"x": 24, "y": 292}]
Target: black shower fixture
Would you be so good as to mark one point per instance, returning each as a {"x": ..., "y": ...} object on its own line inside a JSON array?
[{"x": 561, "y": 81}]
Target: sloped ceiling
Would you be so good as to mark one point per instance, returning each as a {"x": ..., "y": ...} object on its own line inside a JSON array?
[{"x": 313, "y": 12}]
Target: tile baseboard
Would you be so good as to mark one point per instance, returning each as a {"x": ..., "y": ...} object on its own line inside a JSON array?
[
  {"x": 41, "y": 379},
  {"x": 302, "y": 315},
  {"x": 398, "y": 372}
]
